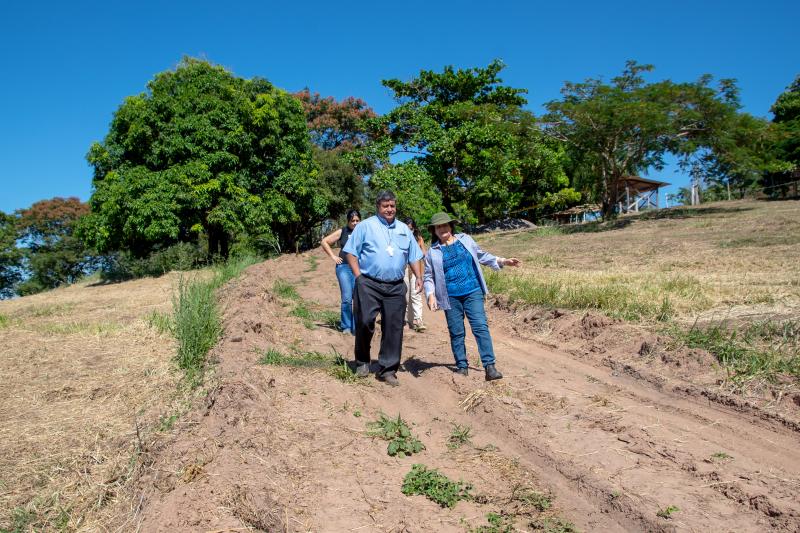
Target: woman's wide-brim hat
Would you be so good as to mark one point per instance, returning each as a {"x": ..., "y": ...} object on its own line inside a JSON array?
[{"x": 441, "y": 218}]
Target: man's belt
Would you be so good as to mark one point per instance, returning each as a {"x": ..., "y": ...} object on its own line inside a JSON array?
[{"x": 393, "y": 282}]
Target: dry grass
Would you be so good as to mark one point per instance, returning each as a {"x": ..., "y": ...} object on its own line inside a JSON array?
[
  {"x": 732, "y": 257},
  {"x": 80, "y": 367}
]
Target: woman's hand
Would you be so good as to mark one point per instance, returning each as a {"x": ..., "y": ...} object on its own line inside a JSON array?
[
  {"x": 511, "y": 261},
  {"x": 338, "y": 260},
  {"x": 432, "y": 305}
]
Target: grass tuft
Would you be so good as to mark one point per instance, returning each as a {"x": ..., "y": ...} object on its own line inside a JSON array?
[
  {"x": 764, "y": 350},
  {"x": 197, "y": 321},
  {"x": 285, "y": 290},
  {"x": 459, "y": 436},
  {"x": 161, "y": 322}
]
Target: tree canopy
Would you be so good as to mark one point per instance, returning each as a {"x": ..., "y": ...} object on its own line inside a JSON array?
[
  {"x": 786, "y": 136},
  {"x": 471, "y": 135},
  {"x": 10, "y": 255},
  {"x": 202, "y": 153},
  {"x": 336, "y": 129},
  {"x": 54, "y": 256},
  {"x": 627, "y": 126}
]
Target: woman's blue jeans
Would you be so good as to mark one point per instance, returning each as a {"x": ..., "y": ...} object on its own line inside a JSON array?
[
  {"x": 346, "y": 284},
  {"x": 470, "y": 305}
]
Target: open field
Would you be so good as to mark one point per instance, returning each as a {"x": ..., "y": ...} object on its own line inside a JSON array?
[
  {"x": 716, "y": 261},
  {"x": 600, "y": 424},
  {"x": 81, "y": 368}
]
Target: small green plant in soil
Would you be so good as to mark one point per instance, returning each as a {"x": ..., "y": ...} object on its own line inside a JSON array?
[
  {"x": 553, "y": 524},
  {"x": 397, "y": 432},
  {"x": 459, "y": 436},
  {"x": 497, "y": 524},
  {"x": 435, "y": 486},
  {"x": 313, "y": 263},
  {"x": 302, "y": 359},
  {"x": 342, "y": 371},
  {"x": 667, "y": 512},
  {"x": 721, "y": 456},
  {"x": 532, "y": 499},
  {"x": 285, "y": 290}
]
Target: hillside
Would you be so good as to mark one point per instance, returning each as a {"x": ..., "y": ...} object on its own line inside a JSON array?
[{"x": 610, "y": 418}]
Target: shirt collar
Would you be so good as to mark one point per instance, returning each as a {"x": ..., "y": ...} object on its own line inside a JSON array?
[{"x": 385, "y": 223}]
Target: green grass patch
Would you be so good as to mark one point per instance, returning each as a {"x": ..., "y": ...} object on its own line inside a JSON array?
[
  {"x": 4, "y": 321},
  {"x": 397, "y": 432},
  {"x": 39, "y": 311},
  {"x": 532, "y": 499},
  {"x": 435, "y": 486},
  {"x": 196, "y": 317},
  {"x": 311, "y": 317},
  {"x": 553, "y": 524},
  {"x": 497, "y": 523},
  {"x": 313, "y": 263},
  {"x": 764, "y": 349},
  {"x": 285, "y": 290},
  {"x": 101, "y": 329},
  {"x": 40, "y": 514},
  {"x": 298, "y": 360},
  {"x": 161, "y": 322},
  {"x": 342, "y": 371},
  {"x": 611, "y": 298}
]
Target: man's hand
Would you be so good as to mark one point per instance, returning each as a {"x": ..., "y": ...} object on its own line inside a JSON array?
[
  {"x": 432, "y": 305},
  {"x": 511, "y": 261},
  {"x": 418, "y": 286}
]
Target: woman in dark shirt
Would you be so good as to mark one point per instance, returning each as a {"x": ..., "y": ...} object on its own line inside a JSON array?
[{"x": 343, "y": 272}]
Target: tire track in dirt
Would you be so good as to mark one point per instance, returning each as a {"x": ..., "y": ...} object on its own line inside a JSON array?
[{"x": 280, "y": 449}]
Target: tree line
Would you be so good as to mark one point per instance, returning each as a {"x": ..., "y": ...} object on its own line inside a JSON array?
[{"x": 205, "y": 164}]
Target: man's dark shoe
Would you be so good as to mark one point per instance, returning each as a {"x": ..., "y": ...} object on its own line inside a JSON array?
[
  {"x": 389, "y": 378},
  {"x": 462, "y": 371},
  {"x": 362, "y": 370},
  {"x": 492, "y": 373}
]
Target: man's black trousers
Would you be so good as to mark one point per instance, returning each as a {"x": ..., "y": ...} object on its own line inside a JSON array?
[{"x": 371, "y": 297}]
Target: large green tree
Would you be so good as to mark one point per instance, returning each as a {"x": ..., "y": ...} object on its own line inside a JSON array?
[
  {"x": 785, "y": 139},
  {"x": 467, "y": 130},
  {"x": 10, "y": 255},
  {"x": 203, "y": 153},
  {"x": 628, "y": 126}
]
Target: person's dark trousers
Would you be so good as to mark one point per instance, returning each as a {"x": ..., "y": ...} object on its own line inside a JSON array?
[{"x": 389, "y": 299}]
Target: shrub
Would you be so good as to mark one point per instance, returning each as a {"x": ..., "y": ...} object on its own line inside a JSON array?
[{"x": 435, "y": 486}]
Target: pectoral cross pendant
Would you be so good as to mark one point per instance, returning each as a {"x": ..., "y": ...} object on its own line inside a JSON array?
[{"x": 390, "y": 250}]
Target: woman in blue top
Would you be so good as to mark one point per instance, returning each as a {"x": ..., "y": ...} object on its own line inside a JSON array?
[
  {"x": 454, "y": 283},
  {"x": 343, "y": 272}
]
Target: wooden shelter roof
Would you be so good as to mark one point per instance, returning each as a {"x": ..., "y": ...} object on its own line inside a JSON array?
[{"x": 640, "y": 184}]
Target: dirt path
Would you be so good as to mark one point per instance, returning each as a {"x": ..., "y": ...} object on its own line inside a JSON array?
[{"x": 282, "y": 449}]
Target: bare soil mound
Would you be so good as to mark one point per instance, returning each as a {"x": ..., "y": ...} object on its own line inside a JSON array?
[{"x": 595, "y": 427}]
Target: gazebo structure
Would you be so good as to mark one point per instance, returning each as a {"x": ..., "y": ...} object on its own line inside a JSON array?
[
  {"x": 577, "y": 214},
  {"x": 635, "y": 193}
]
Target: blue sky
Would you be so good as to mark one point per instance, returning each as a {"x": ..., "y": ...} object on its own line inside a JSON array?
[{"x": 66, "y": 66}]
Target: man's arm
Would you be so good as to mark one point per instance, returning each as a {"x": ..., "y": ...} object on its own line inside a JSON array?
[
  {"x": 353, "y": 262},
  {"x": 415, "y": 268}
]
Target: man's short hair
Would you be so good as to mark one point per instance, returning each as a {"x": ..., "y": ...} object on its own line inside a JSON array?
[{"x": 385, "y": 196}]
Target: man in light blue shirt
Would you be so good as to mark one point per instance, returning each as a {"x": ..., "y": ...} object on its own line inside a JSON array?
[{"x": 378, "y": 251}]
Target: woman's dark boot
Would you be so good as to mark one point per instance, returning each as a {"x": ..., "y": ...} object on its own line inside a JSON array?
[{"x": 492, "y": 373}]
